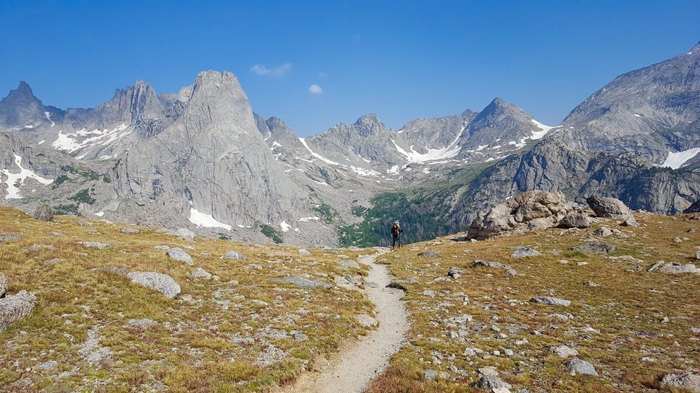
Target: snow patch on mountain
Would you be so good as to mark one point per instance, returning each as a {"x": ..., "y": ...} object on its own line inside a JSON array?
[
  {"x": 677, "y": 159},
  {"x": 449, "y": 151},
  {"x": 13, "y": 179},
  {"x": 81, "y": 139},
  {"x": 206, "y": 220},
  {"x": 544, "y": 129}
]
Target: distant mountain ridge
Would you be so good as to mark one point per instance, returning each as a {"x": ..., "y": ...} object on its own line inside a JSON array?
[{"x": 171, "y": 159}]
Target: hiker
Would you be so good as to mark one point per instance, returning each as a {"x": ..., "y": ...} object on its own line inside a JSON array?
[{"x": 395, "y": 234}]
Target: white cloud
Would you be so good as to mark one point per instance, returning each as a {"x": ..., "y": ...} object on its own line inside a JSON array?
[
  {"x": 315, "y": 89},
  {"x": 263, "y": 70}
]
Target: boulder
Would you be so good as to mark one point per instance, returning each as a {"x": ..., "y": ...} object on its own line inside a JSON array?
[
  {"x": 491, "y": 382},
  {"x": 608, "y": 207},
  {"x": 553, "y": 301},
  {"x": 348, "y": 264},
  {"x": 157, "y": 281},
  {"x": 3, "y": 285},
  {"x": 97, "y": 245},
  {"x": 496, "y": 265},
  {"x": 603, "y": 232},
  {"x": 564, "y": 351},
  {"x": 684, "y": 380},
  {"x": 178, "y": 254},
  {"x": 44, "y": 213},
  {"x": 9, "y": 236},
  {"x": 524, "y": 212},
  {"x": 304, "y": 282},
  {"x": 454, "y": 272},
  {"x": 675, "y": 268},
  {"x": 524, "y": 252},
  {"x": 130, "y": 230},
  {"x": 429, "y": 254},
  {"x": 235, "y": 255},
  {"x": 578, "y": 366},
  {"x": 575, "y": 220},
  {"x": 630, "y": 222},
  {"x": 201, "y": 273},
  {"x": 594, "y": 247},
  {"x": 16, "y": 307}
]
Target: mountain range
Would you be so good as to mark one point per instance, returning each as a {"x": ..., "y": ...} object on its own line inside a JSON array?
[{"x": 202, "y": 160}]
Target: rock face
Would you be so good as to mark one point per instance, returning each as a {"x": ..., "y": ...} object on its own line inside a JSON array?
[
  {"x": 524, "y": 212},
  {"x": 16, "y": 307},
  {"x": 157, "y": 281},
  {"x": 608, "y": 207}
]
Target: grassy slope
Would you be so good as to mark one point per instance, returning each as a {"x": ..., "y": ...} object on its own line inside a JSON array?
[
  {"x": 191, "y": 349},
  {"x": 627, "y": 309}
]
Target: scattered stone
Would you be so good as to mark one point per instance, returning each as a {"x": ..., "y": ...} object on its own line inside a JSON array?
[
  {"x": 429, "y": 254},
  {"x": 178, "y": 254},
  {"x": 9, "y": 236},
  {"x": 187, "y": 298},
  {"x": 429, "y": 293},
  {"x": 47, "y": 366},
  {"x": 491, "y": 382},
  {"x": 564, "y": 351},
  {"x": 626, "y": 258},
  {"x": 603, "y": 232},
  {"x": 98, "y": 245},
  {"x": 502, "y": 390},
  {"x": 142, "y": 324},
  {"x": 113, "y": 269},
  {"x": 348, "y": 264},
  {"x": 630, "y": 222},
  {"x": 608, "y": 207},
  {"x": 430, "y": 374},
  {"x": 674, "y": 268},
  {"x": 684, "y": 380},
  {"x": 201, "y": 273},
  {"x": 3, "y": 285},
  {"x": 16, "y": 307},
  {"x": 304, "y": 252},
  {"x": 304, "y": 282},
  {"x": 366, "y": 321},
  {"x": 270, "y": 356},
  {"x": 162, "y": 247},
  {"x": 488, "y": 371},
  {"x": 575, "y": 220},
  {"x": 591, "y": 284},
  {"x": 185, "y": 234},
  {"x": 157, "y": 281},
  {"x": 697, "y": 254},
  {"x": 578, "y": 366},
  {"x": 695, "y": 331},
  {"x": 37, "y": 247},
  {"x": 298, "y": 336},
  {"x": 524, "y": 252},
  {"x": 594, "y": 247},
  {"x": 553, "y": 301},
  {"x": 53, "y": 261},
  {"x": 130, "y": 230},
  {"x": 44, "y": 213},
  {"x": 235, "y": 255},
  {"x": 92, "y": 351},
  {"x": 677, "y": 240},
  {"x": 454, "y": 272},
  {"x": 496, "y": 265}
]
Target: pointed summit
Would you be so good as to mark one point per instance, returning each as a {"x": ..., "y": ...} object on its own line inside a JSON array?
[{"x": 22, "y": 108}]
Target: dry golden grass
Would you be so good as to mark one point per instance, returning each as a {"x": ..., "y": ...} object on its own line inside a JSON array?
[
  {"x": 191, "y": 349},
  {"x": 627, "y": 310}
]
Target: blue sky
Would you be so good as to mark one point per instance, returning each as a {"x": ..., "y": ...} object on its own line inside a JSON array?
[{"x": 402, "y": 59}]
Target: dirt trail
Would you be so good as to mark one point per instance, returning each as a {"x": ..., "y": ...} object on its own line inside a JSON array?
[{"x": 358, "y": 362}]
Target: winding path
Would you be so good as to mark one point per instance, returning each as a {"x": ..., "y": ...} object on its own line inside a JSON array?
[{"x": 358, "y": 362}]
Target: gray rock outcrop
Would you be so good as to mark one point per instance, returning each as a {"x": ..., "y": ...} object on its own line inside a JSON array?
[
  {"x": 608, "y": 207},
  {"x": 44, "y": 212},
  {"x": 684, "y": 380},
  {"x": 157, "y": 281},
  {"x": 180, "y": 255},
  {"x": 496, "y": 265},
  {"x": 553, "y": 301},
  {"x": 578, "y": 366},
  {"x": 302, "y": 282},
  {"x": 524, "y": 212},
  {"x": 594, "y": 247},
  {"x": 16, "y": 307}
]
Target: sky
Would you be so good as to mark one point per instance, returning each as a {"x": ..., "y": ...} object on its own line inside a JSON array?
[{"x": 317, "y": 63}]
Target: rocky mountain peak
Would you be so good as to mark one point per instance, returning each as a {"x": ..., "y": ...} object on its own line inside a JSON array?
[
  {"x": 276, "y": 123},
  {"x": 23, "y": 91},
  {"x": 21, "y": 107},
  {"x": 695, "y": 50},
  {"x": 132, "y": 105},
  {"x": 368, "y": 124}
]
